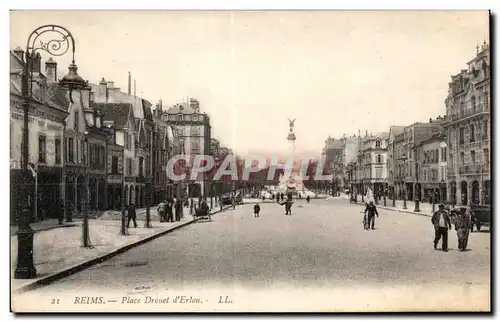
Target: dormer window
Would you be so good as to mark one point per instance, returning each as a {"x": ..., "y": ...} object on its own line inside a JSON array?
[
  {"x": 179, "y": 117},
  {"x": 195, "y": 117},
  {"x": 377, "y": 143}
]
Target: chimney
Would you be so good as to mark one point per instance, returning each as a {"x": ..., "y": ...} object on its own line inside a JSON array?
[
  {"x": 103, "y": 91},
  {"x": 366, "y": 133},
  {"x": 36, "y": 61},
  {"x": 129, "y": 83},
  {"x": 160, "y": 104},
  {"x": 111, "y": 84},
  {"x": 430, "y": 120},
  {"x": 134, "y": 86},
  {"x": 51, "y": 70}
]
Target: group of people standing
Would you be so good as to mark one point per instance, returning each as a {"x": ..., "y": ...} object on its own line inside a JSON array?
[
  {"x": 442, "y": 221},
  {"x": 166, "y": 210}
]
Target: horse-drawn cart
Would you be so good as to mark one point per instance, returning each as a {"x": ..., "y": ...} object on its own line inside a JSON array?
[{"x": 202, "y": 213}]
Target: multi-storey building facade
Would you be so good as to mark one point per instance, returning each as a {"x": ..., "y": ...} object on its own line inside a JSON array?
[
  {"x": 194, "y": 132},
  {"x": 468, "y": 132},
  {"x": 47, "y": 117},
  {"x": 375, "y": 162},
  {"x": 333, "y": 153},
  {"x": 432, "y": 154},
  {"x": 413, "y": 135},
  {"x": 394, "y": 148}
]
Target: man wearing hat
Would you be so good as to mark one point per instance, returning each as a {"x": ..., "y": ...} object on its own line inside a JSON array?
[{"x": 441, "y": 222}]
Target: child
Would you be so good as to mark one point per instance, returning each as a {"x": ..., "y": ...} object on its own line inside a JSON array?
[{"x": 256, "y": 210}]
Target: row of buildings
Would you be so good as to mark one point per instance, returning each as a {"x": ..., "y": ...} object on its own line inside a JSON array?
[
  {"x": 114, "y": 143},
  {"x": 446, "y": 159}
]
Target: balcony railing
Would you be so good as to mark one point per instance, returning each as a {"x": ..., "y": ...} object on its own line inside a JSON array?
[
  {"x": 468, "y": 113},
  {"x": 474, "y": 169}
]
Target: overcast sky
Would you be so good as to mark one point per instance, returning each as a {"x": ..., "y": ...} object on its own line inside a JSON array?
[{"x": 335, "y": 72}]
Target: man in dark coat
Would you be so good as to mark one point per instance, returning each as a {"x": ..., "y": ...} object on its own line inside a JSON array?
[
  {"x": 170, "y": 214},
  {"x": 441, "y": 222},
  {"x": 462, "y": 226},
  {"x": 256, "y": 210},
  {"x": 178, "y": 209},
  {"x": 132, "y": 215},
  {"x": 371, "y": 210}
]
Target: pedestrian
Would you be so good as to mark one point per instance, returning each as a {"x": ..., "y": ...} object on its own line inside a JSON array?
[
  {"x": 263, "y": 197},
  {"x": 168, "y": 209},
  {"x": 441, "y": 221},
  {"x": 161, "y": 210},
  {"x": 132, "y": 216},
  {"x": 462, "y": 226},
  {"x": 256, "y": 210},
  {"x": 272, "y": 197},
  {"x": 308, "y": 199},
  {"x": 371, "y": 211},
  {"x": 61, "y": 211},
  {"x": 205, "y": 209},
  {"x": 233, "y": 202},
  {"x": 288, "y": 207},
  {"x": 178, "y": 209}
]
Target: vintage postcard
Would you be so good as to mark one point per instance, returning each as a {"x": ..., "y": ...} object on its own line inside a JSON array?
[{"x": 250, "y": 161}]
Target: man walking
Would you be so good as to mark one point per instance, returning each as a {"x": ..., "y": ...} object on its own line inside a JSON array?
[
  {"x": 442, "y": 223},
  {"x": 132, "y": 216},
  {"x": 178, "y": 209},
  {"x": 462, "y": 226},
  {"x": 372, "y": 211}
]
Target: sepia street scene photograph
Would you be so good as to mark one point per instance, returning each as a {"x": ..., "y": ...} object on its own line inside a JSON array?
[{"x": 250, "y": 161}]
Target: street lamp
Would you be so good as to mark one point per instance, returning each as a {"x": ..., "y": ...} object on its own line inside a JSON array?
[
  {"x": 149, "y": 184},
  {"x": 417, "y": 185},
  {"x": 93, "y": 118},
  {"x": 56, "y": 47},
  {"x": 404, "y": 158},
  {"x": 123, "y": 228}
]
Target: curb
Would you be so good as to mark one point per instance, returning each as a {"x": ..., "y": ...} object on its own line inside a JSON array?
[
  {"x": 80, "y": 267},
  {"x": 399, "y": 210}
]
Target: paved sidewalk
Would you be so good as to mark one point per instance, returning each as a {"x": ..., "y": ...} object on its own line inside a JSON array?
[
  {"x": 58, "y": 253},
  {"x": 45, "y": 225}
]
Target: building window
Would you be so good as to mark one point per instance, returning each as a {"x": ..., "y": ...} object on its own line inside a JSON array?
[
  {"x": 461, "y": 138},
  {"x": 76, "y": 120},
  {"x": 82, "y": 151},
  {"x": 114, "y": 164},
  {"x": 486, "y": 156},
  {"x": 485, "y": 130},
  {"x": 179, "y": 117},
  {"x": 58, "y": 151},
  {"x": 141, "y": 165},
  {"x": 70, "y": 152},
  {"x": 451, "y": 160},
  {"x": 471, "y": 133},
  {"x": 379, "y": 158},
  {"x": 462, "y": 158},
  {"x": 473, "y": 104},
  {"x": 103, "y": 154},
  {"x": 42, "y": 148},
  {"x": 473, "y": 157},
  {"x": 130, "y": 166},
  {"x": 377, "y": 144}
]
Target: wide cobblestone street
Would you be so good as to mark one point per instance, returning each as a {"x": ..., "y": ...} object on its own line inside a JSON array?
[{"x": 318, "y": 258}]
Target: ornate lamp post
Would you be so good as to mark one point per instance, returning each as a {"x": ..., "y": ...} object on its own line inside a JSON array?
[
  {"x": 62, "y": 40},
  {"x": 403, "y": 159},
  {"x": 417, "y": 185},
  {"x": 93, "y": 118}
]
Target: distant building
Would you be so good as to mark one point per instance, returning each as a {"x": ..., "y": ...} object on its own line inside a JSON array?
[
  {"x": 193, "y": 129},
  {"x": 375, "y": 162},
  {"x": 394, "y": 153},
  {"x": 468, "y": 132}
]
